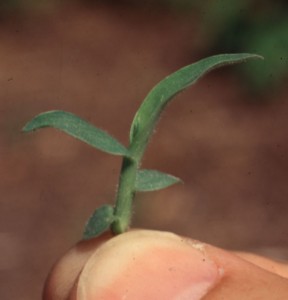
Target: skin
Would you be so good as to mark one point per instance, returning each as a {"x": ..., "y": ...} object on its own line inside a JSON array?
[{"x": 143, "y": 264}]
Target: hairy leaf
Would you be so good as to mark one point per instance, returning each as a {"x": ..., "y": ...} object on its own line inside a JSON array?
[
  {"x": 152, "y": 106},
  {"x": 150, "y": 180},
  {"x": 79, "y": 129},
  {"x": 99, "y": 222}
]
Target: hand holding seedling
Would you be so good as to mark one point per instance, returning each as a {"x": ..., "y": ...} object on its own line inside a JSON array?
[{"x": 141, "y": 264}]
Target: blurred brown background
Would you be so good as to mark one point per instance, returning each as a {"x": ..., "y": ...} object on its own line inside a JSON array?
[{"x": 226, "y": 137}]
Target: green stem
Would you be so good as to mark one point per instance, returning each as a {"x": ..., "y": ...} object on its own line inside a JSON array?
[
  {"x": 125, "y": 196},
  {"x": 126, "y": 189}
]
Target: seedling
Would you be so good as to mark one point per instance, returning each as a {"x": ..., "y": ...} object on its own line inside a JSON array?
[{"x": 132, "y": 178}]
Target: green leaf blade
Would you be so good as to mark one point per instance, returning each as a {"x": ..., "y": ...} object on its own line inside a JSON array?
[
  {"x": 151, "y": 180},
  {"x": 152, "y": 106},
  {"x": 79, "y": 129},
  {"x": 99, "y": 222}
]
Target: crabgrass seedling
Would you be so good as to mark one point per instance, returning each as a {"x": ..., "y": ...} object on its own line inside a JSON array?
[{"x": 132, "y": 179}]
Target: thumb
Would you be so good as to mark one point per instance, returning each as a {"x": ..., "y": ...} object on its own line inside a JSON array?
[{"x": 145, "y": 264}]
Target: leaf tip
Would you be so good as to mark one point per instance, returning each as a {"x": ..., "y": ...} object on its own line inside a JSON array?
[
  {"x": 258, "y": 56},
  {"x": 27, "y": 127}
]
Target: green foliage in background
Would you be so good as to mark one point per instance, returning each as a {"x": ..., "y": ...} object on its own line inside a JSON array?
[{"x": 259, "y": 26}]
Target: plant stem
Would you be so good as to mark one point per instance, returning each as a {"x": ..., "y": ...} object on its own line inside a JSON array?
[
  {"x": 125, "y": 196},
  {"x": 126, "y": 189}
]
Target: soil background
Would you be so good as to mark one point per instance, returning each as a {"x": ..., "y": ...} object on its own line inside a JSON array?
[{"x": 230, "y": 150}]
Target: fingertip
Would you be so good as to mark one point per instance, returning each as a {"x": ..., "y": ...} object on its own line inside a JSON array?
[{"x": 148, "y": 265}]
